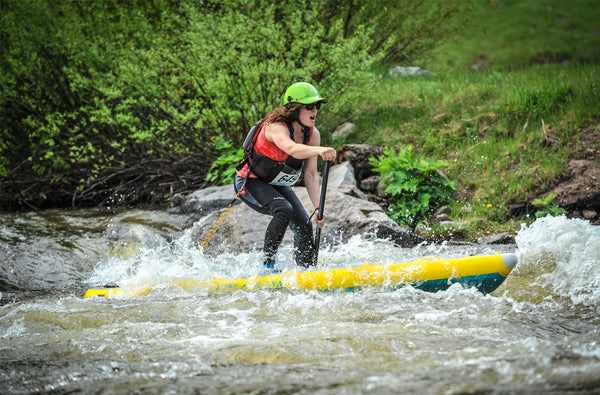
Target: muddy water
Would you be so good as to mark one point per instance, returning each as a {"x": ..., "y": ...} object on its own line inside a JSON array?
[{"x": 539, "y": 332}]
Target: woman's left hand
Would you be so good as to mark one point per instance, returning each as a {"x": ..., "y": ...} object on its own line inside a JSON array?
[{"x": 320, "y": 223}]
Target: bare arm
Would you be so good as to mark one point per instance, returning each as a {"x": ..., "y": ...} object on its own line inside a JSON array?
[
  {"x": 280, "y": 135},
  {"x": 311, "y": 177}
]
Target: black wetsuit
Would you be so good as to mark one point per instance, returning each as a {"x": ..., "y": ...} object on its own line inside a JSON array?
[{"x": 282, "y": 203}]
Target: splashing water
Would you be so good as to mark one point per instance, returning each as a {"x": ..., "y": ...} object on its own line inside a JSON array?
[
  {"x": 537, "y": 333},
  {"x": 563, "y": 255}
]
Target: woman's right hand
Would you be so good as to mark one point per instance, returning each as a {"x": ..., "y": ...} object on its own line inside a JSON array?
[{"x": 328, "y": 153}]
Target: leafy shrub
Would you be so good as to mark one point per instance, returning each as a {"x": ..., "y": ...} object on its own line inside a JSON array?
[
  {"x": 548, "y": 209},
  {"x": 222, "y": 169},
  {"x": 416, "y": 187},
  {"x": 92, "y": 85}
]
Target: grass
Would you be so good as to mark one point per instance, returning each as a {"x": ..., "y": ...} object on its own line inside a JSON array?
[
  {"x": 515, "y": 34},
  {"x": 508, "y": 128}
]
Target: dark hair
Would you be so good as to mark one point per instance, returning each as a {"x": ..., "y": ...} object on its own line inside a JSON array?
[{"x": 289, "y": 113}]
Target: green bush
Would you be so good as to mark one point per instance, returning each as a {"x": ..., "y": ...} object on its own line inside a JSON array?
[
  {"x": 547, "y": 208},
  {"x": 93, "y": 85},
  {"x": 416, "y": 187},
  {"x": 222, "y": 169}
]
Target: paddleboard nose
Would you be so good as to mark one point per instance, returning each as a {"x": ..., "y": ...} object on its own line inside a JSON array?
[{"x": 509, "y": 260}]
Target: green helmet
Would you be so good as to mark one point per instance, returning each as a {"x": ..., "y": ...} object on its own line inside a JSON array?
[{"x": 302, "y": 92}]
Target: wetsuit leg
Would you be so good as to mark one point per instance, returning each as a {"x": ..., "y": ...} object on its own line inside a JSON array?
[
  {"x": 303, "y": 230},
  {"x": 268, "y": 199}
]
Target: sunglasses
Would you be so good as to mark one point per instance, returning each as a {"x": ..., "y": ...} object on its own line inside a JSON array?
[{"x": 310, "y": 106}]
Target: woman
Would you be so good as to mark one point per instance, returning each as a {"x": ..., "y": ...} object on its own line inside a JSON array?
[{"x": 287, "y": 144}]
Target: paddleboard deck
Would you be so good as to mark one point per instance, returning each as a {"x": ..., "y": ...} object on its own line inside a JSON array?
[{"x": 431, "y": 274}]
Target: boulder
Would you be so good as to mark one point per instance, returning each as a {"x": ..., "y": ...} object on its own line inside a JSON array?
[
  {"x": 208, "y": 199},
  {"x": 358, "y": 155},
  {"x": 342, "y": 174},
  {"x": 410, "y": 71}
]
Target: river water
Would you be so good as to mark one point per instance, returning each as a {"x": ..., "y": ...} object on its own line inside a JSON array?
[{"x": 538, "y": 333}]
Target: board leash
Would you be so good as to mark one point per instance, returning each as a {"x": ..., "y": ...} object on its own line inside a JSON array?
[{"x": 221, "y": 219}]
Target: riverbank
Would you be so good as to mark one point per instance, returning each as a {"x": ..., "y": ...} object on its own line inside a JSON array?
[{"x": 577, "y": 194}]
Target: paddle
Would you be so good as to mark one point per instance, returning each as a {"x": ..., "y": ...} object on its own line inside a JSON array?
[{"x": 321, "y": 209}]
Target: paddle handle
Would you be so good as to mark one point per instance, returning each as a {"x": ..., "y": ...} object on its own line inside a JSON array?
[{"x": 321, "y": 208}]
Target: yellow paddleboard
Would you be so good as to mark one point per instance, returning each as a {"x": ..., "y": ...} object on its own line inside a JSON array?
[{"x": 486, "y": 273}]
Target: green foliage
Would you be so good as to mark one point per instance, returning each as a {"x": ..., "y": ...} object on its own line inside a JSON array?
[
  {"x": 242, "y": 57},
  {"x": 547, "y": 208},
  {"x": 83, "y": 88},
  {"x": 416, "y": 187},
  {"x": 90, "y": 85},
  {"x": 405, "y": 29},
  {"x": 222, "y": 169}
]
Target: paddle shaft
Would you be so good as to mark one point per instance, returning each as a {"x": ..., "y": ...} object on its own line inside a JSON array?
[{"x": 321, "y": 208}]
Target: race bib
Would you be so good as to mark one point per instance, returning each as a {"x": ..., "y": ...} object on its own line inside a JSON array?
[{"x": 286, "y": 177}]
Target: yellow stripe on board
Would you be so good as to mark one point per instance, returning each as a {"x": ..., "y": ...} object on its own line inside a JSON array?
[
  {"x": 421, "y": 270},
  {"x": 424, "y": 269}
]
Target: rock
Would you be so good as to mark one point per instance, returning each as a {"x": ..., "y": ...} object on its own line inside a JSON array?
[
  {"x": 135, "y": 229},
  {"x": 500, "y": 238},
  {"x": 443, "y": 218},
  {"x": 575, "y": 214},
  {"x": 358, "y": 155},
  {"x": 589, "y": 214},
  {"x": 369, "y": 184},
  {"x": 411, "y": 71},
  {"x": 381, "y": 187},
  {"x": 349, "y": 215},
  {"x": 442, "y": 210},
  {"x": 441, "y": 215},
  {"x": 177, "y": 199},
  {"x": 342, "y": 174},
  {"x": 208, "y": 199},
  {"x": 343, "y": 130}
]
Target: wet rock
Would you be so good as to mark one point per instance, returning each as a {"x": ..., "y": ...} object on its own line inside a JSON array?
[
  {"x": 208, "y": 199},
  {"x": 500, "y": 238},
  {"x": 589, "y": 214},
  {"x": 137, "y": 229},
  {"x": 342, "y": 174}
]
